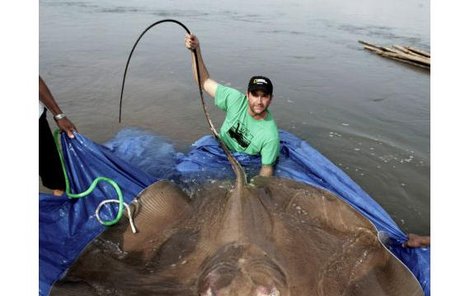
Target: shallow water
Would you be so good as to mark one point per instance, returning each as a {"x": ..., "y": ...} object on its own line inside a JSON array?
[{"x": 369, "y": 115}]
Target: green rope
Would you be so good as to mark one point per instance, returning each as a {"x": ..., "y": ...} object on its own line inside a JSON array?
[{"x": 92, "y": 186}]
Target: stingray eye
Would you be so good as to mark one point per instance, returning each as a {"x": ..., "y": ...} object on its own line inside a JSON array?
[{"x": 263, "y": 291}]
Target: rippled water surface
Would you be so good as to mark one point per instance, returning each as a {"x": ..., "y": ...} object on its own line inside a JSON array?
[{"x": 369, "y": 115}]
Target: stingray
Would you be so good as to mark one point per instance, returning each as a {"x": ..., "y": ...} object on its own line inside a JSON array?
[{"x": 269, "y": 237}]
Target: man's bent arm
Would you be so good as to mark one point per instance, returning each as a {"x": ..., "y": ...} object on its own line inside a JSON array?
[{"x": 45, "y": 96}]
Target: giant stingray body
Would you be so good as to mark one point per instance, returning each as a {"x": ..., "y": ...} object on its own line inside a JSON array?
[{"x": 271, "y": 237}]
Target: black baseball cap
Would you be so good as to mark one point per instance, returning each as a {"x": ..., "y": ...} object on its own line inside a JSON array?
[{"x": 260, "y": 83}]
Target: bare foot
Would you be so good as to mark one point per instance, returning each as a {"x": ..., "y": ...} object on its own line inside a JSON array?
[
  {"x": 415, "y": 241},
  {"x": 57, "y": 192}
]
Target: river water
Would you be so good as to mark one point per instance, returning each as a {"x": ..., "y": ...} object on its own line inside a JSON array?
[{"x": 367, "y": 114}]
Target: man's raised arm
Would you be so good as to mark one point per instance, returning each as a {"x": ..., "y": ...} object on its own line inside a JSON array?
[{"x": 209, "y": 85}]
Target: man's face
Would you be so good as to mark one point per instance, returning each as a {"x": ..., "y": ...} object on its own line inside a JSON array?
[{"x": 258, "y": 102}]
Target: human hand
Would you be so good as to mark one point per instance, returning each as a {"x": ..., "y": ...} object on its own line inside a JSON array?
[
  {"x": 191, "y": 42},
  {"x": 67, "y": 126},
  {"x": 417, "y": 241}
]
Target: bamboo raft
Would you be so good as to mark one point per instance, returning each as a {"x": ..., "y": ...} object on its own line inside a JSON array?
[{"x": 405, "y": 54}]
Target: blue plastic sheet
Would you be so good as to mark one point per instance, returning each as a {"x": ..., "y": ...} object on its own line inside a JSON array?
[
  {"x": 66, "y": 225},
  {"x": 136, "y": 158}
]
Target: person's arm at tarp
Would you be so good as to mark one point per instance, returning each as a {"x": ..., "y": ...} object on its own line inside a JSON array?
[
  {"x": 417, "y": 241},
  {"x": 45, "y": 96}
]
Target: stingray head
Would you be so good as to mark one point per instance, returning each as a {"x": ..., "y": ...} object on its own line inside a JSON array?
[{"x": 241, "y": 269}]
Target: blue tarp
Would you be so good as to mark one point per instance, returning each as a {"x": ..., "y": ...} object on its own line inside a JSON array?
[
  {"x": 136, "y": 158},
  {"x": 66, "y": 225}
]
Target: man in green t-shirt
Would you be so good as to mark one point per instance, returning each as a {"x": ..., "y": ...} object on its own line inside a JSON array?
[{"x": 248, "y": 126}]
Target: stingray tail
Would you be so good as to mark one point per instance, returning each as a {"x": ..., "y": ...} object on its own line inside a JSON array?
[{"x": 237, "y": 168}]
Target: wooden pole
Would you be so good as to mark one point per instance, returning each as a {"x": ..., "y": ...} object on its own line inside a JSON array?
[
  {"x": 401, "y": 53},
  {"x": 418, "y": 51}
]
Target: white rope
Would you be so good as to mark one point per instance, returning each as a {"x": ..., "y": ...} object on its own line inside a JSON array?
[{"x": 131, "y": 220}]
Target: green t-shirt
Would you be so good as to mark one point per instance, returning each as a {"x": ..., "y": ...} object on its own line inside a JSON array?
[{"x": 241, "y": 132}]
